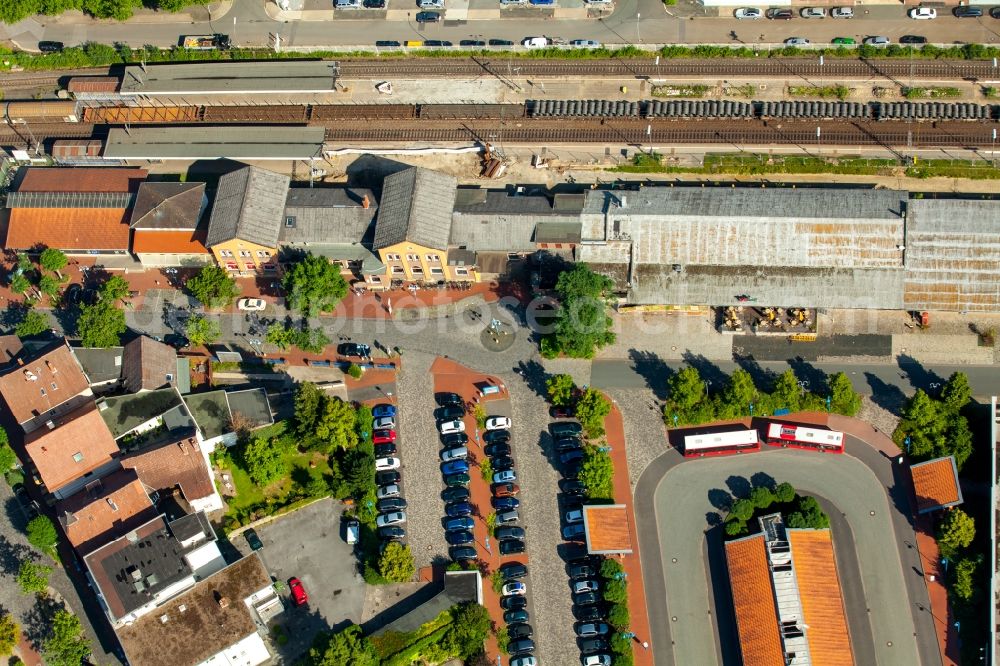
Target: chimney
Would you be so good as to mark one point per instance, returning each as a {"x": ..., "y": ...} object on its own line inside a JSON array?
[
  {"x": 184, "y": 447},
  {"x": 623, "y": 201},
  {"x": 366, "y": 202},
  {"x": 51, "y": 367},
  {"x": 30, "y": 376},
  {"x": 223, "y": 602},
  {"x": 20, "y": 361}
]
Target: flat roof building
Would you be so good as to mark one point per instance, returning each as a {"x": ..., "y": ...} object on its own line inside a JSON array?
[{"x": 606, "y": 529}]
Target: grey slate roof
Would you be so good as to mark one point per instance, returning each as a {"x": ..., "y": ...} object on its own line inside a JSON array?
[
  {"x": 168, "y": 206},
  {"x": 327, "y": 215},
  {"x": 416, "y": 206},
  {"x": 100, "y": 365},
  {"x": 249, "y": 205}
]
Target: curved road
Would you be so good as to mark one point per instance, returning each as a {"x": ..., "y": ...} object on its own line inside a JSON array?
[{"x": 672, "y": 506}]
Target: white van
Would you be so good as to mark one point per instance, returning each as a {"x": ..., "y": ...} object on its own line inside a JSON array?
[
  {"x": 535, "y": 42},
  {"x": 352, "y": 531}
]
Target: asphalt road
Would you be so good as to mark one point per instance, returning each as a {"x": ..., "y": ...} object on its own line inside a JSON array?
[
  {"x": 879, "y": 380},
  {"x": 674, "y": 500},
  {"x": 633, "y": 21}
]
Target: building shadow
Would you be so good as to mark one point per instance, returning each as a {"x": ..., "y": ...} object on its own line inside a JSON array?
[
  {"x": 887, "y": 396},
  {"x": 652, "y": 369},
  {"x": 919, "y": 376},
  {"x": 725, "y": 616},
  {"x": 370, "y": 170}
]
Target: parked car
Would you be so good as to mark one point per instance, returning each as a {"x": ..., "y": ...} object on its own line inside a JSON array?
[
  {"x": 392, "y": 533},
  {"x": 588, "y": 613},
  {"x": 501, "y": 42},
  {"x": 430, "y": 4},
  {"x": 352, "y": 531},
  {"x": 967, "y": 11},
  {"x": 386, "y": 42},
  {"x": 511, "y": 547},
  {"x": 457, "y": 453},
  {"x": 456, "y": 480},
  {"x": 461, "y": 524},
  {"x": 390, "y": 504},
  {"x": 587, "y": 585},
  {"x": 748, "y": 13},
  {"x": 459, "y": 553},
  {"x": 572, "y": 487},
  {"x": 496, "y": 436},
  {"x": 387, "y": 519},
  {"x": 812, "y": 12},
  {"x": 842, "y": 12},
  {"x": 383, "y": 436},
  {"x": 505, "y": 489},
  {"x": 251, "y": 304},
  {"x": 523, "y": 646},
  {"x": 570, "y": 456},
  {"x": 455, "y": 439},
  {"x": 513, "y": 603},
  {"x": 535, "y": 42},
  {"x": 48, "y": 46},
  {"x": 843, "y": 41},
  {"x": 995, "y": 12},
  {"x": 510, "y": 617},
  {"x": 498, "y": 423},
  {"x": 510, "y": 532},
  {"x": 588, "y": 629},
  {"x": 912, "y": 39},
  {"x": 455, "y": 467},
  {"x": 457, "y": 494},
  {"x": 354, "y": 349},
  {"x": 446, "y": 427},
  {"x": 797, "y": 41},
  {"x": 566, "y": 429},
  {"x": 497, "y": 449},
  {"x": 564, "y": 444},
  {"x": 374, "y": 4},
  {"x": 593, "y": 645},
  {"x": 472, "y": 42},
  {"x": 386, "y": 477},
  {"x": 347, "y": 4},
  {"x": 444, "y": 399},
  {"x": 391, "y": 490},
  {"x": 428, "y": 17},
  {"x": 513, "y": 570},
  {"x": 574, "y": 516},
  {"x": 578, "y": 571},
  {"x": 585, "y": 44},
  {"x": 922, "y": 13},
  {"x": 299, "y": 596},
  {"x": 877, "y": 40},
  {"x": 779, "y": 14},
  {"x": 573, "y": 532},
  {"x": 585, "y": 598},
  {"x": 380, "y": 411},
  {"x": 526, "y": 660},
  {"x": 514, "y": 588},
  {"x": 384, "y": 450},
  {"x": 449, "y": 413},
  {"x": 459, "y": 509},
  {"x": 386, "y": 463},
  {"x": 507, "y": 517},
  {"x": 506, "y": 476},
  {"x": 505, "y": 503},
  {"x": 253, "y": 540},
  {"x": 502, "y": 463},
  {"x": 384, "y": 423},
  {"x": 460, "y": 538}
]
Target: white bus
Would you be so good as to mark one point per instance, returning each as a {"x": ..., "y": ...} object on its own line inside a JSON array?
[
  {"x": 721, "y": 443},
  {"x": 800, "y": 437}
]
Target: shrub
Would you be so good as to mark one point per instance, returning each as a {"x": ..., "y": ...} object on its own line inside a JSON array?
[
  {"x": 9, "y": 633},
  {"x": 264, "y": 460},
  {"x": 396, "y": 563},
  {"x": 615, "y": 591},
  {"x": 597, "y": 473},
  {"x": 33, "y": 578},
  {"x": 560, "y": 389},
  {"x": 618, "y": 616},
  {"x": 591, "y": 410},
  {"x": 355, "y": 371},
  {"x": 42, "y": 535}
]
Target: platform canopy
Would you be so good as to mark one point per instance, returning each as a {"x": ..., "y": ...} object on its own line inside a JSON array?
[{"x": 196, "y": 143}]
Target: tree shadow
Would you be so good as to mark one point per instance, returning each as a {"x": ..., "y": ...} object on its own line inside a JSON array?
[
  {"x": 887, "y": 396},
  {"x": 13, "y": 314},
  {"x": 712, "y": 519},
  {"x": 919, "y": 376},
  {"x": 720, "y": 499},
  {"x": 175, "y": 318},
  {"x": 711, "y": 374},
  {"x": 653, "y": 369},
  {"x": 739, "y": 487},
  {"x": 534, "y": 376},
  {"x": 12, "y": 554},
  {"x": 37, "y": 624},
  {"x": 763, "y": 480},
  {"x": 762, "y": 377},
  {"x": 815, "y": 380},
  {"x": 67, "y": 317}
]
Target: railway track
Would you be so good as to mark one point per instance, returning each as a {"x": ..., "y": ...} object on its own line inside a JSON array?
[
  {"x": 641, "y": 132},
  {"x": 20, "y": 136},
  {"x": 491, "y": 65},
  {"x": 26, "y": 80}
]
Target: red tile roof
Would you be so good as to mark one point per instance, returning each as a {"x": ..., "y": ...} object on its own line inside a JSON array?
[
  {"x": 753, "y": 599},
  {"x": 607, "y": 528},
  {"x": 81, "y": 433},
  {"x": 935, "y": 483},
  {"x": 176, "y": 463},
  {"x": 28, "y": 389},
  {"x": 81, "y": 179},
  {"x": 152, "y": 241},
  {"x": 822, "y": 603},
  {"x": 68, "y": 228},
  {"x": 110, "y": 508}
]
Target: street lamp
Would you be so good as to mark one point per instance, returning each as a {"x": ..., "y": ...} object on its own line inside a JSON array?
[
  {"x": 675, "y": 420},
  {"x": 906, "y": 442},
  {"x": 751, "y": 409}
]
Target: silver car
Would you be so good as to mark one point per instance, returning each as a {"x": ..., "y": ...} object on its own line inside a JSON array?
[
  {"x": 813, "y": 12},
  {"x": 394, "y": 518}
]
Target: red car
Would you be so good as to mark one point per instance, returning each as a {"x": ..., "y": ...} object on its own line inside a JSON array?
[
  {"x": 561, "y": 412},
  {"x": 505, "y": 489},
  {"x": 299, "y": 596},
  {"x": 384, "y": 437}
]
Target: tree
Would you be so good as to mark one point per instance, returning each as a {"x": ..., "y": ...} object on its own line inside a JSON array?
[
  {"x": 101, "y": 325},
  {"x": 308, "y": 403},
  {"x": 119, "y": 10},
  {"x": 616, "y": 591},
  {"x": 469, "y": 628},
  {"x": 582, "y": 325},
  {"x": 313, "y": 285},
  {"x": 202, "y": 331},
  {"x": 67, "y": 644},
  {"x": 33, "y": 578},
  {"x": 591, "y": 409},
  {"x": 53, "y": 260},
  {"x": 355, "y": 371},
  {"x": 784, "y": 492},
  {"x": 264, "y": 460},
  {"x": 843, "y": 398},
  {"x": 10, "y": 631},
  {"x": 280, "y": 336},
  {"x": 19, "y": 283},
  {"x": 395, "y": 564},
  {"x": 345, "y": 648},
  {"x": 761, "y": 497},
  {"x": 955, "y": 531},
  {"x": 736, "y": 396},
  {"x": 735, "y": 527},
  {"x": 358, "y": 468},
  {"x": 560, "y": 389},
  {"x": 49, "y": 286},
  {"x": 213, "y": 287},
  {"x": 742, "y": 509},
  {"x": 335, "y": 425},
  {"x": 597, "y": 473},
  {"x": 115, "y": 288},
  {"x": 42, "y": 534},
  {"x": 787, "y": 392},
  {"x": 619, "y": 617},
  {"x": 7, "y": 457},
  {"x": 611, "y": 569},
  {"x": 958, "y": 441},
  {"x": 809, "y": 515},
  {"x": 965, "y": 570},
  {"x": 956, "y": 393},
  {"x": 33, "y": 323},
  {"x": 685, "y": 389}
]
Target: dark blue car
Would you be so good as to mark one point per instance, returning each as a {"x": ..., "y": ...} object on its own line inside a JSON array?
[
  {"x": 378, "y": 411},
  {"x": 458, "y": 510},
  {"x": 505, "y": 503},
  {"x": 455, "y": 467}
]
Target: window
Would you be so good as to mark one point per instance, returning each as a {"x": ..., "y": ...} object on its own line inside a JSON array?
[
  {"x": 396, "y": 270},
  {"x": 432, "y": 257},
  {"x": 461, "y": 271},
  {"x": 78, "y": 457},
  {"x": 290, "y": 221},
  {"x": 513, "y": 255},
  {"x": 54, "y": 387},
  {"x": 246, "y": 253},
  {"x": 392, "y": 257},
  {"x": 170, "y": 377},
  {"x": 263, "y": 254},
  {"x": 232, "y": 265},
  {"x": 225, "y": 253},
  {"x": 412, "y": 257},
  {"x": 437, "y": 270},
  {"x": 251, "y": 267},
  {"x": 417, "y": 269},
  {"x": 43, "y": 391}
]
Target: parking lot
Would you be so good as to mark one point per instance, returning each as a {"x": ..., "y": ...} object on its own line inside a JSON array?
[{"x": 308, "y": 544}]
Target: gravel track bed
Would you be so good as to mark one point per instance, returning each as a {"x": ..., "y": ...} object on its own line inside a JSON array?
[
  {"x": 418, "y": 451},
  {"x": 548, "y": 584}
]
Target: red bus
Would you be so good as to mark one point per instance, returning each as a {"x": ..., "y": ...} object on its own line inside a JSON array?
[
  {"x": 721, "y": 443},
  {"x": 800, "y": 437}
]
